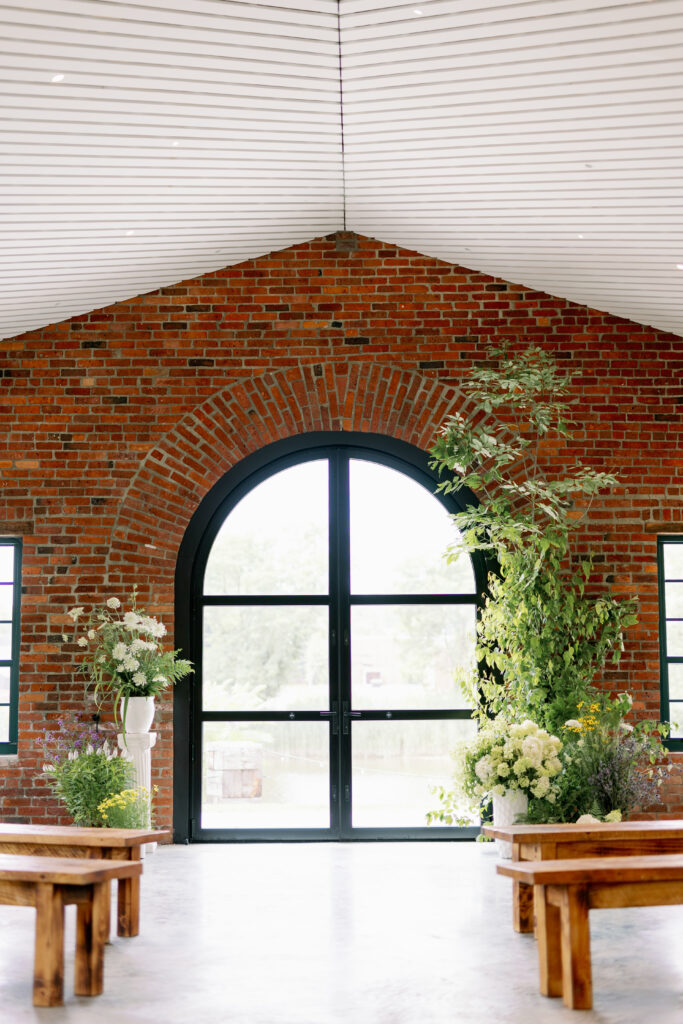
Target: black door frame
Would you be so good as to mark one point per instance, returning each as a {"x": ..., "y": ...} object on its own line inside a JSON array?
[{"x": 192, "y": 556}]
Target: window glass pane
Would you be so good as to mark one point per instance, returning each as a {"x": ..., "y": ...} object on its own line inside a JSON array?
[
  {"x": 265, "y": 658},
  {"x": 5, "y": 641},
  {"x": 407, "y": 656},
  {"x": 265, "y": 775},
  {"x": 673, "y": 598},
  {"x": 676, "y": 682},
  {"x": 673, "y": 561},
  {"x": 6, "y": 563},
  {"x": 275, "y": 539},
  {"x": 6, "y": 595},
  {"x": 674, "y": 639},
  {"x": 4, "y": 684},
  {"x": 4, "y": 724},
  {"x": 676, "y": 719},
  {"x": 399, "y": 533},
  {"x": 395, "y": 766}
]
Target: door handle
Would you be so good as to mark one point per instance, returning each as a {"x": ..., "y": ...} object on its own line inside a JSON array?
[
  {"x": 346, "y": 714},
  {"x": 334, "y": 716}
]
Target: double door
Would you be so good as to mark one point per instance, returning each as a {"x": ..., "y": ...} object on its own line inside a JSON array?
[{"x": 328, "y": 632}]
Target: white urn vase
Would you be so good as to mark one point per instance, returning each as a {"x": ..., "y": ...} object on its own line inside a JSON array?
[
  {"x": 506, "y": 810},
  {"x": 137, "y": 716}
]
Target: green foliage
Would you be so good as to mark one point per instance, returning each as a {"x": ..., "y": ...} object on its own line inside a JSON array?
[
  {"x": 608, "y": 766},
  {"x": 542, "y": 634}
]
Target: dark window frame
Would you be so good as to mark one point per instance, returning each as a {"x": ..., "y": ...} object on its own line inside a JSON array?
[
  {"x": 10, "y": 746},
  {"x": 675, "y": 743}
]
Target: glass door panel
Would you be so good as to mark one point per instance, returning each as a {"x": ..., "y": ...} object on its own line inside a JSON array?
[
  {"x": 265, "y": 775},
  {"x": 396, "y": 764},
  {"x": 265, "y": 658},
  {"x": 275, "y": 540},
  {"x": 407, "y": 655},
  {"x": 399, "y": 534}
]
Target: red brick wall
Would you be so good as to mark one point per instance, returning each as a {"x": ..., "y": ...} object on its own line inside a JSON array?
[{"x": 118, "y": 422}]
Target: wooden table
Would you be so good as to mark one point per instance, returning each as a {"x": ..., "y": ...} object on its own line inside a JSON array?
[
  {"x": 604, "y": 839},
  {"x": 49, "y": 884},
  {"x": 564, "y": 892},
  {"x": 117, "y": 844}
]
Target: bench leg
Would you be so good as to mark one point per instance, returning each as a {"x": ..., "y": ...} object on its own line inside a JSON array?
[
  {"x": 522, "y": 907},
  {"x": 48, "y": 972},
  {"x": 129, "y": 906},
  {"x": 548, "y": 934},
  {"x": 577, "y": 980},
  {"x": 91, "y": 924}
]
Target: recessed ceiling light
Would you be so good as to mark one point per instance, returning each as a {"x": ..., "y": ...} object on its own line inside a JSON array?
[
  {"x": 57, "y": 78},
  {"x": 579, "y": 236},
  {"x": 417, "y": 11},
  {"x": 679, "y": 266},
  {"x": 175, "y": 143},
  {"x": 131, "y": 232}
]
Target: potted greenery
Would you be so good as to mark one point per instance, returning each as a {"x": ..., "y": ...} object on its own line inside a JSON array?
[
  {"x": 125, "y": 659},
  {"x": 83, "y": 769},
  {"x": 544, "y": 630}
]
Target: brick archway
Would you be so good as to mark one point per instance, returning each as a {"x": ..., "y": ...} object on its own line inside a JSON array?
[{"x": 176, "y": 475}]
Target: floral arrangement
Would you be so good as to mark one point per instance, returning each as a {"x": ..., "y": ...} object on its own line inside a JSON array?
[
  {"x": 83, "y": 768},
  {"x": 124, "y": 653},
  {"x": 502, "y": 756},
  {"x": 609, "y": 767},
  {"x": 131, "y": 808}
]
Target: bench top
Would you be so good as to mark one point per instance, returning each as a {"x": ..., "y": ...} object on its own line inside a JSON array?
[
  {"x": 74, "y": 835},
  {"x": 16, "y": 867},
  {"x": 626, "y": 830},
  {"x": 660, "y": 867}
]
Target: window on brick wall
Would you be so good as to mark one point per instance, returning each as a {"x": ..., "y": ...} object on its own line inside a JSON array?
[
  {"x": 10, "y": 598},
  {"x": 670, "y": 558}
]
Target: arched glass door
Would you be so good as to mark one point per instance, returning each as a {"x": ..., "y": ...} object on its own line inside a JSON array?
[{"x": 327, "y": 634}]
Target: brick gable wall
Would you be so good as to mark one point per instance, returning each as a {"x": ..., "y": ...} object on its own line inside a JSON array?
[{"x": 118, "y": 422}]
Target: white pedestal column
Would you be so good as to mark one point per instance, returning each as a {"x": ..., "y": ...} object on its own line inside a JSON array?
[{"x": 137, "y": 747}]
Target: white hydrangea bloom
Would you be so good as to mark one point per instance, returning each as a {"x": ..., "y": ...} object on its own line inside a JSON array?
[
  {"x": 613, "y": 815},
  {"x": 532, "y": 748}
]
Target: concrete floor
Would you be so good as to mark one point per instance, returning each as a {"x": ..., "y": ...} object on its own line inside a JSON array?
[{"x": 381, "y": 933}]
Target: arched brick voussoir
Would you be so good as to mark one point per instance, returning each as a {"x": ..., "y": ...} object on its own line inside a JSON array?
[{"x": 175, "y": 476}]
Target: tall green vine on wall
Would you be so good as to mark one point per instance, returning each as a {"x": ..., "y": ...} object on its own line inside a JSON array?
[{"x": 546, "y": 627}]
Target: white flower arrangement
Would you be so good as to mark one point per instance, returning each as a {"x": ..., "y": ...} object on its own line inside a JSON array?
[
  {"x": 125, "y": 656},
  {"x": 505, "y": 756}
]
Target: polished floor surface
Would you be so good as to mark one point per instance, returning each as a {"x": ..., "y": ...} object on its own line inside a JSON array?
[{"x": 376, "y": 933}]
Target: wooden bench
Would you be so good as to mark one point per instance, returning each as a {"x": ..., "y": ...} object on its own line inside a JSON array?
[
  {"x": 116, "y": 844},
  {"x": 49, "y": 884},
  {"x": 564, "y": 892},
  {"x": 553, "y": 842}
]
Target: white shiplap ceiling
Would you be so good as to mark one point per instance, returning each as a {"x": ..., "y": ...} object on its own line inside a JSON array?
[{"x": 148, "y": 141}]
